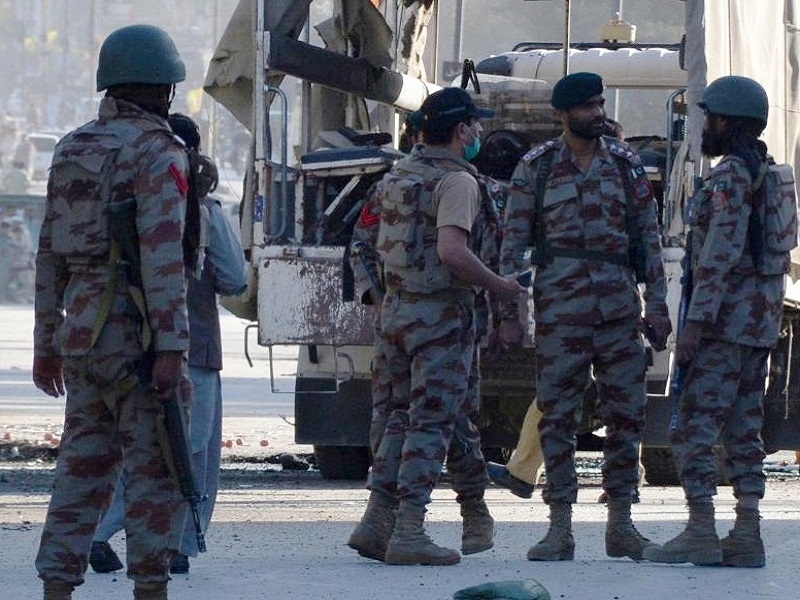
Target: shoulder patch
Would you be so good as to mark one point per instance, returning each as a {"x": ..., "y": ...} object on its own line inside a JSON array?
[
  {"x": 638, "y": 172},
  {"x": 726, "y": 165},
  {"x": 369, "y": 216},
  {"x": 180, "y": 179},
  {"x": 622, "y": 150},
  {"x": 540, "y": 150},
  {"x": 720, "y": 186},
  {"x": 642, "y": 188}
]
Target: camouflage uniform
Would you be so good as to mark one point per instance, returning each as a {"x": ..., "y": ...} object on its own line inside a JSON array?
[
  {"x": 741, "y": 310},
  {"x": 465, "y": 460},
  {"x": 427, "y": 326},
  {"x": 587, "y": 308},
  {"x": 110, "y": 418}
]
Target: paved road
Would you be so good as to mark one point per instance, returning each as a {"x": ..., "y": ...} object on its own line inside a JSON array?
[
  {"x": 251, "y": 411},
  {"x": 280, "y": 535},
  {"x": 280, "y": 538}
]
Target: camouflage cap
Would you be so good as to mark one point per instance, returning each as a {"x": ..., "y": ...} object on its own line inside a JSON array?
[{"x": 575, "y": 89}]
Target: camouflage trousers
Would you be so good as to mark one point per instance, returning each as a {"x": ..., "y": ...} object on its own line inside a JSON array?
[
  {"x": 105, "y": 425},
  {"x": 566, "y": 358},
  {"x": 427, "y": 356},
  {"x": 722, "y": 401},
  {"x": 465, "y": 461}
]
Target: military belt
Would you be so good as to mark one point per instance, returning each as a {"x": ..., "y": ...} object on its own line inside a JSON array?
[
  {"x": 88, "y": 268},
  {"x": 451, "y": 295},
  {"x": 616, "y": 259}
]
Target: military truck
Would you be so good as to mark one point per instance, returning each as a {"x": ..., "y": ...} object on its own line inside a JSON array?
[{"x": 350, "y": 97}]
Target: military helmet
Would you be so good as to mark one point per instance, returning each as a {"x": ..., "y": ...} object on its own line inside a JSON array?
[
  {"x": 139, "y": 54},
  {"x": 735, "y": 96}
]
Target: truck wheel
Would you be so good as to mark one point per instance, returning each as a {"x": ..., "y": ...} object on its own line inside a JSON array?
[
  {"x": 342, "y": 462},
  {"x": 659, "y": 466},
  {"x": 660, "y": 469}
]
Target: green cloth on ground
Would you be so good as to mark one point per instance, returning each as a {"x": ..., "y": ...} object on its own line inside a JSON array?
[{"x": 527, "y": 589}]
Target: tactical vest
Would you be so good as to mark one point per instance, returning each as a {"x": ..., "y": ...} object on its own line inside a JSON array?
[
  {"x": 773, "y": 223},
  {"x": 407, "y": 233},
  {"x": 542, "y": 251}
]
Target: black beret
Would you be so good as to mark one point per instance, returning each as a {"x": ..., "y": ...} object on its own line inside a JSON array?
[{"x": 575, "y": 89}]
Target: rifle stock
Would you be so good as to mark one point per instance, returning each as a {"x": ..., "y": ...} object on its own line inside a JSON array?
[{"x": 179, "y": 460}]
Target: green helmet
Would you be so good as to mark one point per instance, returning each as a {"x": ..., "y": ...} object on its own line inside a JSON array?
[
  {"x": 139, "y": 54},
  {"x": 735, "y": 96}
]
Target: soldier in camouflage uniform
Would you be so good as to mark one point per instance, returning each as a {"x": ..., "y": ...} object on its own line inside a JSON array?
[
  {"x": 738, "y": 262},
  {"x": 585, "y": 205},
  {"x": 429, "y": 204},
  {"x": 93, "y": 329},
  {"x": 465, "y": 461}
]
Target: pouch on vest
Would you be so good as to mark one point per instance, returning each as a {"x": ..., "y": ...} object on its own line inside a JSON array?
[
  {"x": 81, "y": 186},
  {"x": 400, "y": 233},
  {"x": 778, "y": 215}
]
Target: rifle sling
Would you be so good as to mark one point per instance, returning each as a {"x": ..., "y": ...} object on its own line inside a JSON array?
[{"x": 108, "y": 298}]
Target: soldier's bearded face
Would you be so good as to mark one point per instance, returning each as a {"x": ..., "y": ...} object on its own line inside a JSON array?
[
  {"x": 587, "y": 121},
  {"x": 712, "y": 141}
]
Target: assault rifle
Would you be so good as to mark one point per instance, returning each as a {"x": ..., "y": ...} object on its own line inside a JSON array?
[
  {"x": 176, "y": 452},
  {"x": 678, "y": 379},
  {"x": 172, "y": 428}
]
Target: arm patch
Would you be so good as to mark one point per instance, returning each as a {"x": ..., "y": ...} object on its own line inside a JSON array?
[{"x": 180, "y": 180}]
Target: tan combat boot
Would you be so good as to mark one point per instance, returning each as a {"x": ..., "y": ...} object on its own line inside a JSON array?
[
  {"x": 150, "y": 591},
  {"x": 743, "y": 547},
  {"x": 698, "y": 544},
  {"x": 372, "y": 533},
  {"x": 622, "y": 539},
  {"x": 558, "y": 543},
  {"x": 478, "y": 533},
  {"x": 58, "y": 590},
  {"x": 410, "y": 545}
]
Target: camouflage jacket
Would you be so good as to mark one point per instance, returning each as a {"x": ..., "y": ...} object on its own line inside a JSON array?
[
  {"x": 583, "y": 211},
  {"x": 407, "y": 232},
  {"x": 125, "y": 153},
  {"x": 484, "y": 242},
  {"x": 734, "y": 301}
]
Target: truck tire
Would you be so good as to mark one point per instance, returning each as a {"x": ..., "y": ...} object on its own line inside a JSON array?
[
  {"x": 342, "y": 462},
  {"x": 660, "y": 469},
  {"x": 659, "y": 466}
]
